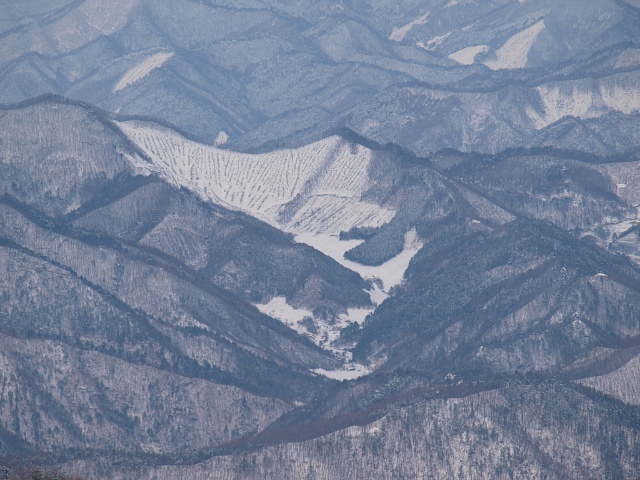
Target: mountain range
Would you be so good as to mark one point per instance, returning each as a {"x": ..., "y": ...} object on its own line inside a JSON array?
[{"x": 313, "y": 240}]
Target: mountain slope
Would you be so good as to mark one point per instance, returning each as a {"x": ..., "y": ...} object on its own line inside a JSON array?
[
  {"x": 134, "y": 297},
  {"x": 89, "y": 291}
]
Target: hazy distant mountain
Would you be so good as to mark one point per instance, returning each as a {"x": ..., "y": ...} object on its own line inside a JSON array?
[
  {"x": 320, "y": 240},
  {"x": 427, "y": 75}
]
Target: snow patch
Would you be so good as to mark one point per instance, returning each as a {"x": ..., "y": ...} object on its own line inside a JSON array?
[
  {"x": 326, "y": 332},
  {"x": 350, "y": 372},
  {"x": 143, "y": 69},
  {"x": 622, "y": 226},
  {"x": 377, "y": 296},
  {"x": 513, "y": 54},
  {"x": 279, "y": 308},
  {"x": 355, "y": 315},
  {"x": 398, "y": 34},
  {"x": 390, "y": 273},
  {"x": 467, "y": 55},
  {"x": 221, "y": 139}
]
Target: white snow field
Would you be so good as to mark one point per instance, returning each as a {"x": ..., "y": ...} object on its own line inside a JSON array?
[
  {"x": 142, "y": 69},
  {"x": 278, "y": 308},
  {"x": 390, "y": 273},
  {"x": 514, "y": 52},
  {"x": 467, "y": 56},
  {"x": 313, "y": 189},
  {"x": 353, "y": 370}
]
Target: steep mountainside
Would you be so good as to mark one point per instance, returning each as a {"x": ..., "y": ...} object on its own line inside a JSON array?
[
  {"x": 112, "y": 280},
  {"x": 146, "y": 310}
]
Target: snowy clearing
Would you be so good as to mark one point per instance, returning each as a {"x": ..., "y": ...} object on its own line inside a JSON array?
[
  {"x": 513, "y": 54},
  {"x": 326, "y": 332},
  {"x": 280, "y": 309},
  {"x": 390, "y": 273},
  {"x": 143, "y": 69}
]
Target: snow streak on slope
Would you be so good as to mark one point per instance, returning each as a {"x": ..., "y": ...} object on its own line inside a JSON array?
[
  {"x": 398, "y": 34},
  {"x": 466, "y": 56},
  {"x": 434, "y": 43},
  {"x": 315, "y": 188},
  {"x": 513, "y": 54},
  {"x": 142, "y": 69}
]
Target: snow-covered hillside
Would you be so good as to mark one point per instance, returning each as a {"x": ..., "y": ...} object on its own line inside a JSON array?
[
  {"x": 621, "y": 383},
  {"x": 313, "y": 189},
  {"x": 513, "y": 54},
  {"x": 313, "y": 192},
  {"x": 586, "y": 99}
]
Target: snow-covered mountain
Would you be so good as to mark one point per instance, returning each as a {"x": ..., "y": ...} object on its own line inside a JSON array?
[
  {"x": 179, "y": 269},
  {"x": 470, "y": 75},
  {"x": 362, "y": 240}
]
